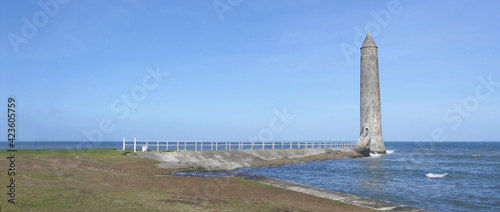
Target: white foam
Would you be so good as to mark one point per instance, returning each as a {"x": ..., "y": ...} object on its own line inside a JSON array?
[
  {"x": 390, "y": 151},
  {"x": 476, "y": 155},
  {"x": 375, "y": 155},
  {"x": 432, "y": 175}
]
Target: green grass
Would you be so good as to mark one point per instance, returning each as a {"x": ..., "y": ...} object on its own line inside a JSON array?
[
  {"x": 107, "y": 180},
  {"x": 64, "y": 152}
]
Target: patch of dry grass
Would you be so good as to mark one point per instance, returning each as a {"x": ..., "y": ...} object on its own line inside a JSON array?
[{"x": 106, "y": 180}]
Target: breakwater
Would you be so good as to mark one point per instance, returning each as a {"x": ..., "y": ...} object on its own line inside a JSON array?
[{"x": 233, "y": 159}]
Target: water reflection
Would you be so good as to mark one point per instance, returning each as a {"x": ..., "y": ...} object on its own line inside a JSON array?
[{"x": 374, "y": 177}]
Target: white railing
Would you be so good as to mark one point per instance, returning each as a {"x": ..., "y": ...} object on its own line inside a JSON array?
[{"x": 156, "y": 145}]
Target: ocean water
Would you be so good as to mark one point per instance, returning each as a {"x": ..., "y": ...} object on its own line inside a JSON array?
[
  {"x": 443, "y": 176},
  {"x": 446, "y": 176}
]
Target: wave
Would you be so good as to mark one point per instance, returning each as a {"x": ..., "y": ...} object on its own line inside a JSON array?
[
  {"x": 375, "y": 155},
  {"x": 432, "y": 175}
]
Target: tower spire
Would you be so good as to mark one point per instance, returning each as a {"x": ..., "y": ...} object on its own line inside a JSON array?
[{"x": 368, "y": 41}]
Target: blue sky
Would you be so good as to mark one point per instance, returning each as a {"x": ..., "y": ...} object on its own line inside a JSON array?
[{"x": 248, "y": 70}]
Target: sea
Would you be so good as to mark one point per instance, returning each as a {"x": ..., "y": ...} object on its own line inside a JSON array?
[{"x": 441, "y": 176}]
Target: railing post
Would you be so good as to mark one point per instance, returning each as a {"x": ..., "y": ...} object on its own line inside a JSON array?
[
  {"x": 166, "y": 145},
  {"x": 147, "y": 144},
  {"x": 195, "y": 145},
  {"x": 123, "y": 144},
  {"x": 263, "y": 145},
  {"x": 157, "y": 146},
  {"x": 273, "y": 144},
  {"x": 282, "y": 147},
  {"x": 135, "y": 144},
  {"x": 212, "y": 146},
  {"x": 201, "y": 144},
  {"x": 290, "y": 145}
]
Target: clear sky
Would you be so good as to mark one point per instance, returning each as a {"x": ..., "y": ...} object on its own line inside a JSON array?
[{"x": 243, "y": 70}]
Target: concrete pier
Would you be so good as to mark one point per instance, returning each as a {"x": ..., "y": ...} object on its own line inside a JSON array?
[{"x": 233, "y": 159}]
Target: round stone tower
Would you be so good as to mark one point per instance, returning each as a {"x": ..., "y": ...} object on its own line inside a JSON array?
[{"x": 370, "y": 112}]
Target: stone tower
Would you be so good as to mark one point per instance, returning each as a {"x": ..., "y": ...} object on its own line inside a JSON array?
[{"x": 370, "y": 113}]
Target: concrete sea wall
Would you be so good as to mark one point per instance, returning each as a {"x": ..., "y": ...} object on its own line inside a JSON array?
[{"x": 233, "y": 159}]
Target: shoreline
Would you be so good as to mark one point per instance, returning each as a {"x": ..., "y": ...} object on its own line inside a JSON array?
[
  {"x": 100, "y": 179},
  {"x": 216, "y": 161},
  {"x": 96, "y": 179},
  {"x": 352, "y": 199},
  {"x": 375, "y": 204}
]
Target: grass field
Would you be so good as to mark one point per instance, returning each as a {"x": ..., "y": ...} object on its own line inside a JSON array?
[{"x": 107, "y": 180}]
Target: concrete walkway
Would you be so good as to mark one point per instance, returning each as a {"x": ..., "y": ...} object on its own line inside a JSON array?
[
  {"x": 233, "y": 159},
  {"x": 333, "y": 195}
]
